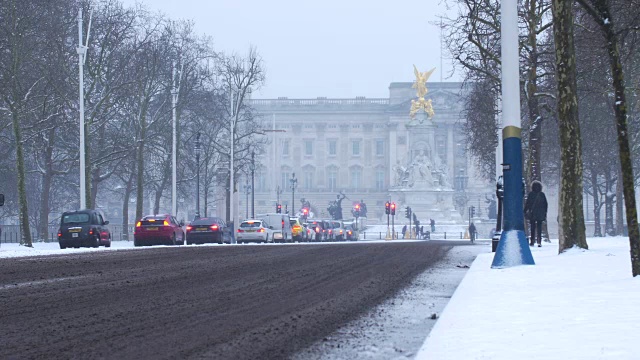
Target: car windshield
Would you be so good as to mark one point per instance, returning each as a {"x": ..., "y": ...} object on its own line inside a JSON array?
[
  {"x": 293, "y": 221},
  {"x": 251, "y": 224},
  {"x": 79, "y": 218}
]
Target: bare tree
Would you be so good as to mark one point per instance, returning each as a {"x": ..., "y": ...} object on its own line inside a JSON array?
[
  {"x": 601, "y": 12},
  {"x": 570, "y": 217}
]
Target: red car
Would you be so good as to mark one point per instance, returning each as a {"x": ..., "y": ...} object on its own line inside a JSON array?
[{"x": 158, "y": 230}]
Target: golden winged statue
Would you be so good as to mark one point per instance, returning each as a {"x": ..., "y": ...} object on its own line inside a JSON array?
[{"x": 421, "y": 90}]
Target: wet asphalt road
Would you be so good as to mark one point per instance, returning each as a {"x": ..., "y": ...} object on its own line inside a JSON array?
[{"x": 223, "y": 302}]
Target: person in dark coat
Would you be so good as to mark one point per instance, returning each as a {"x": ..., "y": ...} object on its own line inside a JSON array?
[
  {"x": 404, "y": 231},
  {"x": 535, "y": 210},
  {"x": 472, "y": 232}
]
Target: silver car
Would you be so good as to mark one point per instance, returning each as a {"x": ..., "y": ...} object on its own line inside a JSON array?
[{"x": 254, "y": 231}]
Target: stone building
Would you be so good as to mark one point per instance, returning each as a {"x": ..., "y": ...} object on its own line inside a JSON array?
[{"x": 357, "y": 146}]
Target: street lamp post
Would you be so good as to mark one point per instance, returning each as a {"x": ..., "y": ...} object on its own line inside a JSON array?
[
  {"x": 253, "y": 187},
  {"x": 174, "y": 146},
  {"x": 198, "y": 175},
  {"x": 82, "y": 54},
  {"x": 294, "y": 183},
  {"x": 513, "y": 248}
]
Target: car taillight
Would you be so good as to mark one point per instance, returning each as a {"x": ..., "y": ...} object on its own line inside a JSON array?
[
  {"x": 340, "y": 231},
  {"x": 318, "y": 229},
  {"x": 91, "y": 232},
  {"x": 214, "y": 227},
  {"x": 330, "y": 231},
  {"x": 59, "y": 234},
  {"x": 165, "y": 223},
  {"x": 261, "y": 230},
  {"x": 189, "y": 227},
  {"x": 138, "y": 224},
  {"x": 296, "y": 227},
  {"x": 240, "y": 230}
]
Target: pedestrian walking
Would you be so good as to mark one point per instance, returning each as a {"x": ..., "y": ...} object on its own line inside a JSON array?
[
  {"x": 433, "y": 225},
  {"x": 472, "y": 232},
  {"x": 535, "y": 210},
  {"x": 404, "y": 231},
  {"x": 421, "y": 231}
]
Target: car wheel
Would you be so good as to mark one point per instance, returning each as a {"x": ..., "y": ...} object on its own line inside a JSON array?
[
  {"x": 173, "y": 239},
  {"x": 136, "y": 242},
  {"x": 62, "y": 246},
  {"x": 97, "y": 241},
  {"x": 108, "y": 243}
]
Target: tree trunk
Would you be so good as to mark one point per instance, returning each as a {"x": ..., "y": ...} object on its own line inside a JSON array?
[
  {"x": 620, "y": 108},
  {"x": 140, "y": 168},
  {"x": 125, "y": 206},
  {"x": 22, "y": 189},
  {"x": 571, "y": 218},
  {"x": 608, "y": 206},
  {"x": 47, "y": 178},
  {"x": 163, "y": 184},
  {"x": 533, "y": 105},
  {"x": 597, "y": 231},
  {"x": 619, "y": 208}
]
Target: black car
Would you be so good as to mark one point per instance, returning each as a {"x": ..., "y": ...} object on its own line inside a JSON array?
[
  {"x": 83, "y": 228},
  {"x": 208, "y": 230}
]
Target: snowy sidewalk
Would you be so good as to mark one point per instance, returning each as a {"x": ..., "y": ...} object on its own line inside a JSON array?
[{"x": 578, "y": 305}]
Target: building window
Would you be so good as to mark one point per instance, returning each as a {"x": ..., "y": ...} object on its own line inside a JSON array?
[
  {"x": 379, "y": 147},
  {"x": 356, "y": 177},
  {"x": 308, "y": 126},
  {"x": 355, "y": 146},
  {"x": 284, "y": 181},
  {"x": 332, "y": 126},
  {"x": 333, "y": 147},
  {"x": 308, "y": 147},
  {"x": 380, "y": 180},
  {"x": 285, "y": 147},
  {"x": 355, "y": 126},
  {"x": 308, "y": 179},
  {"x": 333, "y": 179}
]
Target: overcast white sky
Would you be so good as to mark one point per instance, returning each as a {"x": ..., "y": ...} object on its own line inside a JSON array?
[{"x": 332, "y": 48}]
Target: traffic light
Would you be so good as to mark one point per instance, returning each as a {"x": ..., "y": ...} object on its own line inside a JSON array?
[
  {"x": 407, "y": 212},
  {"x": 387, "y": 208},
  {"x": 278, "y": 208},
  {"x": 356, "y": 210},
  {"x": 473, "y": 211},
  {"x": 393, "y": 208}
]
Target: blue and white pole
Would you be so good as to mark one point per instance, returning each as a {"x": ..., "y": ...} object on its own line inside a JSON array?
[{"x": 513, "y": 248}]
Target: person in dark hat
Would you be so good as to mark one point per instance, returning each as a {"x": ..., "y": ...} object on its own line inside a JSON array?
[{"x": 535, "y": 210}]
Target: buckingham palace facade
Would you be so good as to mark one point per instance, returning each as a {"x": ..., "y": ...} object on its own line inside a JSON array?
[{"x": 353, "y": 146}]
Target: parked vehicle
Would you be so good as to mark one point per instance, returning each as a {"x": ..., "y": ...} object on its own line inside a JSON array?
[
  {"x": 208, "y": 230},
  {"x": 254, "y": 231},
  {"x": 83, "y": 228},
  {"x": 280, "y": 225},
  {"x": 320, "y": 229},
  {"x": 308, "y": 233},
  {"x": 336, "y": 230},
  {"x": 352, "y": 233},
  {"x": 297, "y": 230},
  {"x": 158, "y": 230}
]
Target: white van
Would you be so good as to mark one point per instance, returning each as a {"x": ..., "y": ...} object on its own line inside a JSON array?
[{"x": 280, "y": 225}]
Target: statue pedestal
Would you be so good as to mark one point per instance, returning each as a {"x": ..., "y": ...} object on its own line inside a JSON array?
[{"x": 436, "y": 204}]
